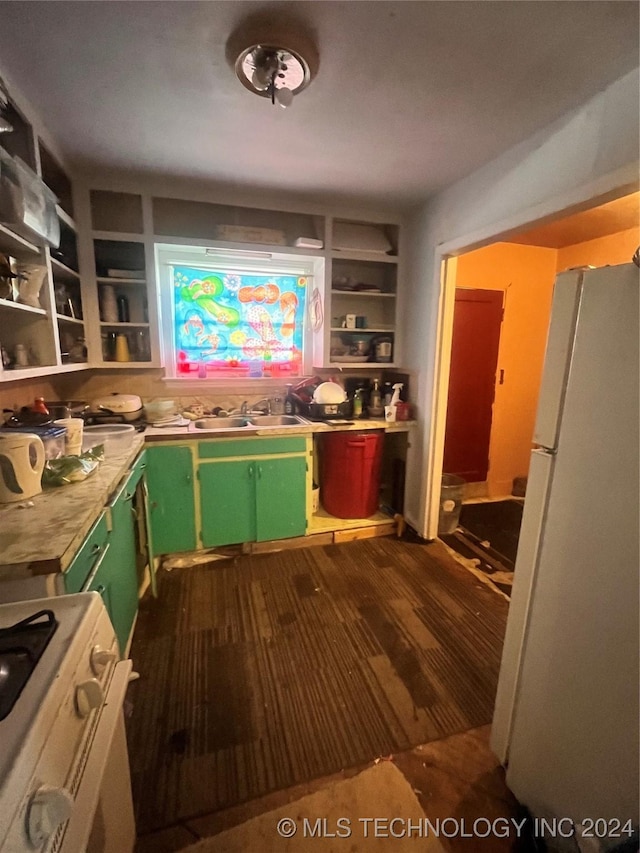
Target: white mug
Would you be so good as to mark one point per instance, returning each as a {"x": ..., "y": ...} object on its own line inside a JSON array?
[{"x": 73, "y": 438}]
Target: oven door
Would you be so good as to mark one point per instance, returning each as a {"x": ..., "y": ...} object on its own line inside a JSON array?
[{"x": 102, "y": 817}]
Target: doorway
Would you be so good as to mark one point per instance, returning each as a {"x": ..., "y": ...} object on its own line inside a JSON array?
[
  {"x": 522, "y": 271},
  {"x": 477, "y": 318}
]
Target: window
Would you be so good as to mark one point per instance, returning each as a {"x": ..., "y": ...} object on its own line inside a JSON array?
[{"x": 233, "y": 315}]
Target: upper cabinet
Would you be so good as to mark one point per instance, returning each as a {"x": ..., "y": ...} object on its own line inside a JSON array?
[{"x": 41, "y": 303}]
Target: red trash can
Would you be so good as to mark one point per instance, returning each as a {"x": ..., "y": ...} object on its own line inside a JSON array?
[{"x": 350, "y": 472}]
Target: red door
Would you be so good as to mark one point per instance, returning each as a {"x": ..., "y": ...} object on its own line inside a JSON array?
[{"x": 474, "y": 358}]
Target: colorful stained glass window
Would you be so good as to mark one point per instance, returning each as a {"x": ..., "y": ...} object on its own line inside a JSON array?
[{"x": 232, "y": 323}]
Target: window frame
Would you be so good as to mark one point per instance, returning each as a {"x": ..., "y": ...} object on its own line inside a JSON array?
[{"x": 198, "y": 254}]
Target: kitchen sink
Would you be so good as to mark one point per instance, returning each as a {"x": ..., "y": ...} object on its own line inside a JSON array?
[
  {"x": 222, "y": 423},
  {"x": 275, "y": 420},
  {"x": 248, "y": 422}
]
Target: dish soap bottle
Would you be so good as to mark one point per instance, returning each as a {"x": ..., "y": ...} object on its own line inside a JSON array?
[
  {"x": 289, "y": 402},
  {"x": 357, "y": 403},
  {"x": 376, "y": 409}
]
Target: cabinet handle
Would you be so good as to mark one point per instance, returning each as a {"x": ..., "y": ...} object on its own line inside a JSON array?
[
  {"x": 100, "y": 589},
  {"x": 129, "y": 496},
  {"x": 259, "y": 471},
  {"x": 250, "y": 470},
  {"x": 96, "y": 549}
]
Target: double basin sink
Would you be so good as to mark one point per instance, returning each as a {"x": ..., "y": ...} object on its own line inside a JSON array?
[{"x": 248, "y": 423}]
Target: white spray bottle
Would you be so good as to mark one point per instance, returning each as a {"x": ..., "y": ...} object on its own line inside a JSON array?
[{"x": 390, "y": 410}]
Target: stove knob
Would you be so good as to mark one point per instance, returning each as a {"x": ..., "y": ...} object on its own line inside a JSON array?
[
  {"x": 100, "y": 659},
  {"x": 47, "y": 809},
  {"x": 89, "y": 695}
]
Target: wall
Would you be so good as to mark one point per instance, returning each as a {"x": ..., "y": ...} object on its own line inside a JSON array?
[
  {"x": 612, "y": 249},
  {"x": 526, "y": 274},
  {"x": 590, "y": 154}
]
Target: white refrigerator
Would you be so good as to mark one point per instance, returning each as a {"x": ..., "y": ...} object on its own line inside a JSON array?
[{"x": 566, "y": 716}]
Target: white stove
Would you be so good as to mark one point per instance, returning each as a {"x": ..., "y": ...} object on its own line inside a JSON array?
[{"x": 64, "y": 769}]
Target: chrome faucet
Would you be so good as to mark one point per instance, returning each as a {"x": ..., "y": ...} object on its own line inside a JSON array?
[
  {"x": 263, "y": 405},
  {"x": 243, "y": 408}
]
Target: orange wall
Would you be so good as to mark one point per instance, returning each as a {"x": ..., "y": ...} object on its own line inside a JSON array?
[
  {"x": 613, "y": 249},
  {"x": 526, "y": 274}
]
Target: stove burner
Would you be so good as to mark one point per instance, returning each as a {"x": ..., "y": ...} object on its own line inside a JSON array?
[{"x": 21, "y": 647}]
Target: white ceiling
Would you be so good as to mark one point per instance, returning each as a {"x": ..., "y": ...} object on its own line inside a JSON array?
[{"x": 410, "y": 96}]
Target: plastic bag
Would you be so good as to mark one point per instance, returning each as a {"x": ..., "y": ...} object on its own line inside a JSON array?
[{"x": 72, "y": 469}]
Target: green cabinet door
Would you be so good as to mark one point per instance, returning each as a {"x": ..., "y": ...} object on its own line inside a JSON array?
[
  {"x": 171, "y": 502},
  {"x": 227, "y": 502},
  {"x": 280, "y": 498},
  {"x": 119, "y": 565}
]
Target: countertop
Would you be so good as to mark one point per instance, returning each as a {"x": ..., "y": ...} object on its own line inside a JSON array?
[
  {"x": 190, "y": 432},
  {"x": 44, "y": 538}
]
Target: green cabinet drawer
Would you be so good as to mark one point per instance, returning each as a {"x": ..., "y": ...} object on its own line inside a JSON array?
[
  {"x": 85, "y": 560},
  {"x": 224, "y": 447}
]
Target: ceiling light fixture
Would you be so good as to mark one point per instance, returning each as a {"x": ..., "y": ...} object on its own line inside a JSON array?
[{"x": 270, "y": 63}]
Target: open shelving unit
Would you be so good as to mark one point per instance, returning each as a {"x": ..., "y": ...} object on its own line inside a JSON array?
[
  {"x": 52, "y": 335},
  {"x": 365, "y": 284}
]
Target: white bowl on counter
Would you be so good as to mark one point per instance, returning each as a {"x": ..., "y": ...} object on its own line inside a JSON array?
[{"x": 117, "y": 438}]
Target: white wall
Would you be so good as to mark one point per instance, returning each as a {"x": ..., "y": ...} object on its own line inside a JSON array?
[{"x": 590, "y": 153}]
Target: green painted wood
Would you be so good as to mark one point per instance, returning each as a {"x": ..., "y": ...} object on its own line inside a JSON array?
[
  {"x": 83, "y": 563},
  {"x": 102, "y": 583},
  {"x": 227, "y": 502},
  {"x": 280, "y": 498},
  {"x": 118, "y": 571},
  {"x": 225, "y": 447},
  {"x": 171, "y": 500}
]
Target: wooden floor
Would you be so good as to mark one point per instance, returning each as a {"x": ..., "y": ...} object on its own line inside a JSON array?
[{"x": 262, "y": 673}]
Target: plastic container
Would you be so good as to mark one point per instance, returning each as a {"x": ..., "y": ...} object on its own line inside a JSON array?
[
  {"x": 117, "y": 438},
  {"x": 350, "y": 465},
  {"x": 52, "y": 437},
  {"x": 451, "y": 494}
]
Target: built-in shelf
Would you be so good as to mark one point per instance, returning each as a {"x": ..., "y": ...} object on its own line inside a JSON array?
[
  {"x": 362, "y": 365},
  {"x": 63, "y": 271},
  {"x": 36, "y": 371},
  {"x": 118, "y": 236},
  {"x": 64, "y": 216},
  {"x": 117, "y": 365},
  {"x": 370, "y": 257},
  {"x": 367, "y": 331},
  {"x": 7, "y": 303},
  {"x": 126, "y": 325},
  {"x": 63, "y": 318},
  {"x": 15, "y": 245},
  {"x": 105, "y": 279},
  {"x": 365, "y": 293}
]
